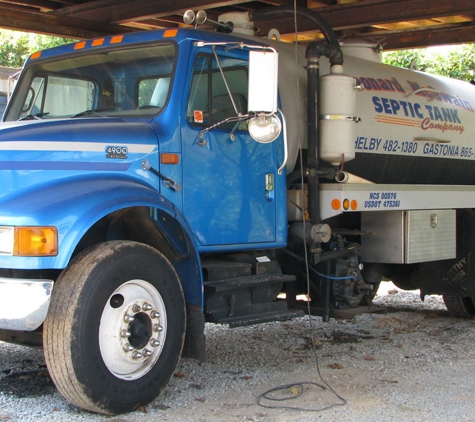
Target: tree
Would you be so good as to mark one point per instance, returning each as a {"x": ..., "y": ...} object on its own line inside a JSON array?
[
  {"x": 16, "y": 46},
  {"x": 456, "y": 61}
]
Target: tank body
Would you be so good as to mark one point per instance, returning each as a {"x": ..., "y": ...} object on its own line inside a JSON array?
[{"x": 415, "y": 128}]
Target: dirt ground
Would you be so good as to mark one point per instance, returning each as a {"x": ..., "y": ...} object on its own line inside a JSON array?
[
  {"x": 408, "y": 364},
  {"x": 411, "y": 363}
]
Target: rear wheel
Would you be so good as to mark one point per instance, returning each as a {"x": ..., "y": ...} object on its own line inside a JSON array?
[
  {"x": 115, "y": 329},
  {"x": 460, "y": 306}
]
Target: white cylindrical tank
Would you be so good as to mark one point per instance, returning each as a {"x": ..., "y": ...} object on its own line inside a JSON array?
[{"x": 337, "y": 119}]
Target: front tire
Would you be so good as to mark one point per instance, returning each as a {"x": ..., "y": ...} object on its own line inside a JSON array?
[{"x": 115, "y": 329}]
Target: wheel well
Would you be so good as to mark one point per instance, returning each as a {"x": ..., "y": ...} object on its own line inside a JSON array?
[
  {"x": 140, "y": 224},
  {"x": 156, "y": 228}
]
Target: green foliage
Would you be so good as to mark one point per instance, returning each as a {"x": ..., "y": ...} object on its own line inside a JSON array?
[
  {"x": 455, "y": 61},
  {"x": 15, "y": 46},
  {"x": 403, "y": 58}
]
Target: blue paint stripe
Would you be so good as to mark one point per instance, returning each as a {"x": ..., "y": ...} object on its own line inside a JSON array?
[{"x": 62, "y": 165}]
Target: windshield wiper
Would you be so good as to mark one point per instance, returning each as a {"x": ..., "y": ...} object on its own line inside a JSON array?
[
  {"x": 88, "y": 113},
  {"x": 37, "y": 116}
]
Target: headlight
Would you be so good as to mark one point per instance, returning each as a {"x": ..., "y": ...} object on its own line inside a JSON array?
[
  {"x": 29, "y": 241},
  {"x": 6, "y": 240}
]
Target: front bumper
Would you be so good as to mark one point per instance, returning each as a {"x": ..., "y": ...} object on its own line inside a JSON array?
[{"x": 24, "y": 303}]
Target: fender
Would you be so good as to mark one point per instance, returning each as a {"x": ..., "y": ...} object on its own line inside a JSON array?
[{"x": 75, "y": 204}]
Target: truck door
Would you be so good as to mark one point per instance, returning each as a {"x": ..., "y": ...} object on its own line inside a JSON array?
[{"x": 228, "y": 179}]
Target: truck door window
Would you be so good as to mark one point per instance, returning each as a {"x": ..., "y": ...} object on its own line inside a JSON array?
[{"x": 209, "y": 100}]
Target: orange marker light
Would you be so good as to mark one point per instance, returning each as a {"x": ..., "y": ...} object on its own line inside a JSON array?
[
  {"x": 336, "y": 204},
  {"x": 35, "y": 55},
  {"x": 117, "y": 39},
  {"x": 98, "y": 42},
  {"x": 346, "y": 204},
  {"x": 169, "y": 158},
  {"x": 170, "y": 33},
  {"x": 80, "y": 45},
  {"x": 354, "y": 205}
]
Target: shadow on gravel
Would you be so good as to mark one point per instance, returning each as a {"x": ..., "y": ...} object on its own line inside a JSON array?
[
  {"x": 427, "y": 313},
  {"x": 26, "y": 383}
]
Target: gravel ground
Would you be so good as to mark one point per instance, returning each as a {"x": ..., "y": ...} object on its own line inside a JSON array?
[{"x": 408, "y": 364}]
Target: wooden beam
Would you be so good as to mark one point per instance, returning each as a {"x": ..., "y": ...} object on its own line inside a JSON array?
[
  {"x": 370, "y": 13},
  {"x": 429, "y": 37},
  {"x": 38, "y": 4},
  {"x": 46, "y": 23},
  {"x": 367, "y": 13},
  {"x": 119, "y": 11}
]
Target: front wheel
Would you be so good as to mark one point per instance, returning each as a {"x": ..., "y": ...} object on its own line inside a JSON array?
[{"x": 115, "y": 329}]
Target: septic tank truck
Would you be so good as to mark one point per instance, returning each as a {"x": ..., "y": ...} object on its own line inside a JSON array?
[{"x": 155, "y": 181}]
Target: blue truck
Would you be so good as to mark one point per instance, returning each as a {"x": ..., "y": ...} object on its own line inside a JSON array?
[{"x": 155, "y": 181}]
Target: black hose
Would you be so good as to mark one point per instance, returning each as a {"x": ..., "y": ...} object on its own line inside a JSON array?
[
  {"x": 318, "y": 49},
  {"x": 327, "y": 31}
]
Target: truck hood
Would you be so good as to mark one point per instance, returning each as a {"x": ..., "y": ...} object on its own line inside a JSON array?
[
  {"x": 43, "y": 151},
  {"x": 79, "y": 129}
]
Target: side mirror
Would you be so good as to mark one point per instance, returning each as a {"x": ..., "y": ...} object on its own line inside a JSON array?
[
  {"x": 265, "y": 127},
  {"x": 262, "y": 88}
]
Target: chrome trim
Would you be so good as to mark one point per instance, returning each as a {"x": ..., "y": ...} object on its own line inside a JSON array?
[{"x": 24, "y": 303}]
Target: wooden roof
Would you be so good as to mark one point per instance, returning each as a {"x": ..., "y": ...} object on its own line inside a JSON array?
[{"x": 395, "y": 23}]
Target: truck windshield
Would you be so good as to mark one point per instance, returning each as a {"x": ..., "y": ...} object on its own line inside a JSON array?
[{"x": 127, "y": 82}]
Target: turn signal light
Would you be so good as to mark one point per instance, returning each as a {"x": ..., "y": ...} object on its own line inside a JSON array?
[
  {"x": 336, "y": 204},
  {"x": 36, "y": 241}
]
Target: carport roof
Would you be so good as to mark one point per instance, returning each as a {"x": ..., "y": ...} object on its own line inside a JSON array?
[{"x": 395, "y": 23}]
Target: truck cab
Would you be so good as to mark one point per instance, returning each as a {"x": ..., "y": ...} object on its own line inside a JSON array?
[
  {"x": 119, "y": 85},
  {"x": 135, "y": 149}
]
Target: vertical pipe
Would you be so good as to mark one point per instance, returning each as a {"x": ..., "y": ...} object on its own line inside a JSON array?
[
  {"x": 326, "y": 295},
  {"x": 313, "y": 111},
  {"x": 326, "y": 301}
]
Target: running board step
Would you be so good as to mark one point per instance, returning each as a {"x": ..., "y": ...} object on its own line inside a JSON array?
[
  {"x": 282, "y": 315},
  {"x": 237, "y": 283},
  {"x": 247, "y": 300}
]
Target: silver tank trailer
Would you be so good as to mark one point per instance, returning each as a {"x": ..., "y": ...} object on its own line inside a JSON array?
[{"x": 414, "y": 128}]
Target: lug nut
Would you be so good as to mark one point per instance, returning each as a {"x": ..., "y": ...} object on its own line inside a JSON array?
[
  {"x": 154, "y": 342},
  {"x": 155, "y": 314},
  {"x": 125, "y": 334},
  {"x": 128, "y": 318},
  {"x": 137, "y": 355},
  {"x": 147, "y": 307},
  {"x": 147, "y": 352},
  {"x": 128, "y": 347},
  {"x": 136, "y": 308},
  {"x": 157, "y": 328}
]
